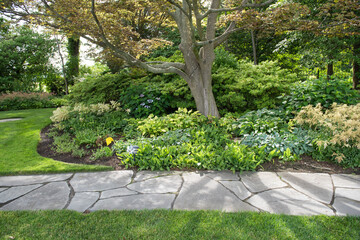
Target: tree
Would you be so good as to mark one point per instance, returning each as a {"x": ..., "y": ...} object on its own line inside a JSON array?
[
  {"x": 106, "y": 23},
  {"x": 24, "y": 57}
]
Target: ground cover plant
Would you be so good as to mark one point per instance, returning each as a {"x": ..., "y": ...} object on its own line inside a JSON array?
[
  {"x": 18, "y": 143},
  {"x": 164, "y": 224}
]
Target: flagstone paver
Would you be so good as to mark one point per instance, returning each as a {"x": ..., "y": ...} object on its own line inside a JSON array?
[
  {"x": 166, "y": 184},
  {"x": 238, "y": 188},
  {"x": 50, "y": 196},
  {"x": 15, "y": 192},
  {"x": 117, "y": 193},
  {"x": 99, "y": 181},
  {"x": 144, "y": 175},
  {"x": 83, "y": 200},
  {"x": 288, "y": 193},
  {"x": 201, "y": 192},
  {"x": 346, "y": 180},
  {"x": 136, "y": 202},
  {"x": 222, "y": 175},
  {"x": 344, "y": 206},
  {"x": 35, "y": 179},
  {"x": 10, "y": 119},
  {"x": 353, "y": 194},
  {"x": 288, "y": 201},
  {"x": 315, "y": 185},
  {"x": 261, "y": 181}
]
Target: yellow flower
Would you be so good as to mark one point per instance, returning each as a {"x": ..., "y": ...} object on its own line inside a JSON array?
[{"x": 109, "y": 140}]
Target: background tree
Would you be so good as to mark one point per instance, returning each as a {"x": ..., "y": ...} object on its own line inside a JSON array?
[
  {"x": 105, "y": 23},
  {"x": 24, "y": 58}
]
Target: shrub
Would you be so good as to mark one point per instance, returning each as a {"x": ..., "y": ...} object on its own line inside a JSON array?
[
  {"x": 263, "y": 120},
  {"x": 101, "y": 88},
  {"x": 90, "y": 122},
  {"x": 323, "y": 91},
  {"x": 141, "y": 101},
  {"x": 20, "y": 100},
  {"x": 154, "y": 126},
  {"x": 339, "y": 132},
  {"x": 249, "y": 86}
]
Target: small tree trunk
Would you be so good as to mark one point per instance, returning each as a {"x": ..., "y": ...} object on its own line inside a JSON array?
[
  {"x": 62, "y": 66},
  {"x": 253, "y": 40},
  {"x": 356, "y": 64},
  {"x": 330, "y": 70}
]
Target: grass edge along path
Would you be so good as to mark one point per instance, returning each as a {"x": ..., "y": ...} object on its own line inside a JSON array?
[
  {"x": 18, "y": 144},
  {"x": 165, "y": 224}
]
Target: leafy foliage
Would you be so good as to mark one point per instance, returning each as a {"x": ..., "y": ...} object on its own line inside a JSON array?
[
  {"x": 323, "y": 91},
  {"x": 20, "y": 100},
  {"x": 154, "y": 126},
  {"x": 206, "y": 147},
  {"x": 250, "y": 87},
  {"x": 24, "y": 59},
  {"x": 269, "y": 129}
]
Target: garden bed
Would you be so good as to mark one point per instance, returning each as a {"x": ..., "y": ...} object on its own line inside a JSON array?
[{"x": 305, "y": 164}]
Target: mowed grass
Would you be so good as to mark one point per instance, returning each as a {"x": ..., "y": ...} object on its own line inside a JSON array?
[
  {"x": 164, "y": 224},
  {"x": 18, "y": 143}
]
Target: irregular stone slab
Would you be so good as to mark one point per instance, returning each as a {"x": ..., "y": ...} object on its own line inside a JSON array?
[
  {"x": 144, "y": 175},
  {"x": 288, "y": 201},
  {"x": 117, "y": 193},
  {"x": 201, "y": 192},
  {"x": 99, "y": 181},
  {"x": 82, "y": 201},
  {"x": 10, "y": 119},
  {"x": 3, "y": 189},
  {"x": 222, "y": 175},
  {"x": 15, "y": 192},
  {"x": 261, "y": 181},
  {"x": 344, "y": 206},
  {"x": 346, "y": 180},
  {"x": 237, "y": 188},
  {"x": 349, "y": 193},
  {"x": 34, "y": 179},
  {"x": 167, "y": 184},
  {"x": 315, "y": 185},
  {"x": 136, "y": 202},
  {"x": 51, "y": 196}
]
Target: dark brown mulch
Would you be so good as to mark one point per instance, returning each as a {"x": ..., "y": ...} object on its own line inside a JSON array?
[{"x": 306, "y": 164}]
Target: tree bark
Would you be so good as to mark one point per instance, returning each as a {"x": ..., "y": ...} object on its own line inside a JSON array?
[
  {"x": 330, "y": 70},
  {"x": 253, "y": 40},
  {"x": 356, "y": 64},
  {"x": 199, "y": 61}
]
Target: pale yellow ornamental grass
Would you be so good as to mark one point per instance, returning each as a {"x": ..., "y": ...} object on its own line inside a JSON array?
[
  {"x": 60, "y": 114},
  {"x": 343, "y": 122}
]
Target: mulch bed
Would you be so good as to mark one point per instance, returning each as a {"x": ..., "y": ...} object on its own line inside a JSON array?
[{"x": 305, "y": 164}]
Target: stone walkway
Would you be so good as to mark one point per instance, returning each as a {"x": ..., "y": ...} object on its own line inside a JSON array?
[{"x": 287, "y": 193}]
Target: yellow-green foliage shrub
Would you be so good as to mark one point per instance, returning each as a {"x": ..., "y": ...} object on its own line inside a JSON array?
[{"x": 341, "y": 125}]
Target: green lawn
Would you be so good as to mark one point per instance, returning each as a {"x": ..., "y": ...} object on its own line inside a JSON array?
[
  {"x": 18, "y": 143},
  {"x": 163, "y": 224}
]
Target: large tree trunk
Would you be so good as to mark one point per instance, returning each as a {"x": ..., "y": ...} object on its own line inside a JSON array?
[
  {"x": 198, "y": 62},
  {"x": 201, "y": 89},
  {"x": 356, "y": 64}
]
